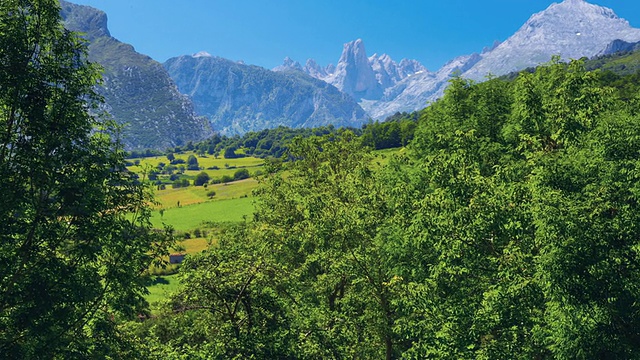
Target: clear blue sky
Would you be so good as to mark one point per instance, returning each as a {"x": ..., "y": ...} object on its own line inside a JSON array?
[{"x": 263, "y": 32}]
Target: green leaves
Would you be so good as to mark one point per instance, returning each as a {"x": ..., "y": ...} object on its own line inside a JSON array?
[
  {"x": 75, "y": 236},
  {"x": 508, "y": 230}
]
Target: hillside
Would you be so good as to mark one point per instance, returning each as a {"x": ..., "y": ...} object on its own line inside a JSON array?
[
  {"x": 137, "y": 90},
  {"x": 239, "y": 98}
]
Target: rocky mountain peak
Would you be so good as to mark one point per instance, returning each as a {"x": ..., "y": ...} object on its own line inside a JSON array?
[
  {"x": 136, "y": 89},
  {"x": 312, "y": 68},
  {"x": 201, "y": 54},
  {"x": 288, "y": 64},
  {"x": 354, "y": 75},
  {"x": 92, "y": 23},
  {"x": 571, "y": 29}
]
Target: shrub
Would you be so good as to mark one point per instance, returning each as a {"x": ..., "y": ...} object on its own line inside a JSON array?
[
  {"x": 230, "y": 153},
  {"x": 180, "y": 183},
  {"x": 241, "y": 174},
  {"x": 201, "y": 179},
  {"x": 226, "y": 178}
]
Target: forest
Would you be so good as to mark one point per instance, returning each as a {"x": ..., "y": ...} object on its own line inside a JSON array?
[{"x": 507, "y": 228}]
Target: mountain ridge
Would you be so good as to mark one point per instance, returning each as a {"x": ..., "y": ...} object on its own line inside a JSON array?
[
  {"x": 138, "y": 92},
  {"x": 571, "y": 29},
  {"x": 238, "y": 98}
]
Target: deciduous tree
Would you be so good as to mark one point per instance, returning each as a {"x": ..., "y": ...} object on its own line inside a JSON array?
[{"x": 74, "y": 237}]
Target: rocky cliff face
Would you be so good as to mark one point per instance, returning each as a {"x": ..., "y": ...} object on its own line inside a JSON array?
[
  {"x": 620, "y": 46},
  {"x": 240, "y": 98},
  {"x": 354, "y": 74},
  {"x": 137, "y": 90}
]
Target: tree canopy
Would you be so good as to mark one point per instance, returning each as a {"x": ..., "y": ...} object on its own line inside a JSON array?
[
  {"x": 508, "y": 229},
  {"x": 74, "y": 238}
]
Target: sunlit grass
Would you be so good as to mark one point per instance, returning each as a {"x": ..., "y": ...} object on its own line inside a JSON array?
[
  {"x": 186, "y": 218},
  {"x": 169, "y": 197},
  {"x": 162, "y": 288}
]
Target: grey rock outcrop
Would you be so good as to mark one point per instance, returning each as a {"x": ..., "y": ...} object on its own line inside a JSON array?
[
  {"x": 363, "y": 78},
  {"x": 618, "y": 45}
]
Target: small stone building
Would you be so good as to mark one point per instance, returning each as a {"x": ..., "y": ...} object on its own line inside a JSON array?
[{"x": 176, "y": 258}]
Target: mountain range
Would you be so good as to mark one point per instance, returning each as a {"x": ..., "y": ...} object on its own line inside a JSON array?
[
  {"x": 238, "y": 98},
  {"x": 166, "y": 104},
  {"x": 571, "y": 29}
]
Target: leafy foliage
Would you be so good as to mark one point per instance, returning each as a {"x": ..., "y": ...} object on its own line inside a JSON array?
[
  {"x": 507, "y": 230},
  {"x": 75, "y": 235}
]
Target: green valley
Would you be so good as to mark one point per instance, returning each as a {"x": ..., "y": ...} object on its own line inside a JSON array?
[{"x": 502, "y": 221}]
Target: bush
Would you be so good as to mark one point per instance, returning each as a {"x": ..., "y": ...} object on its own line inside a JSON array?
[
  {"x": 201, "y": 179},
  {"x": 211, "y": 194},
  {"x": 226, "y": 178},
  {"x": 241, "y": 174},
  {"x": 180, "y": 183},
  {"x": 230, "y": 153}
]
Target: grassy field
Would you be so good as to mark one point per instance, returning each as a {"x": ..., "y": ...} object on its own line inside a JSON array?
[
  {"x": 169, "y": 198},
  {"x": 232, "y": 203},
  {"x": 186, "y": 218},
  {"x": 382, "y": 157},
  {"x": 196, "y": 245},
  {"x": 215, "y": 167},
  {"x": 162, "y": 287}
]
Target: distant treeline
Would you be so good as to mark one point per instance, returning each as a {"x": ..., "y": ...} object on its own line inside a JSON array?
[{"x": 395, "y": 131}]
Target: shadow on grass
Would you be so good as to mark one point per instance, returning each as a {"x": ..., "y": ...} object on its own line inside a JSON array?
[{"x": 160, "y": 280}]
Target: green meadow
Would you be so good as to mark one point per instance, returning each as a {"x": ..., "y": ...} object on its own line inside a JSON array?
[
  {"x": 162, "y": 287},
  {"x": 169, "y": 198},
  {"x": 216, "y": 168},
  {"x": 186, "y": 218},
  {"x": 189, "y": 208}
]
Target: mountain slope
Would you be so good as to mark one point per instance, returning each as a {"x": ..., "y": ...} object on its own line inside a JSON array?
[
  {"x": 571, "y": 29},
  {"x": 239, "y": 98},
  {"x": 138, "y": 91}
]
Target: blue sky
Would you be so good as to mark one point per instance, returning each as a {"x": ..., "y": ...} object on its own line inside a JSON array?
[{"x": 263, "y": 32}]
